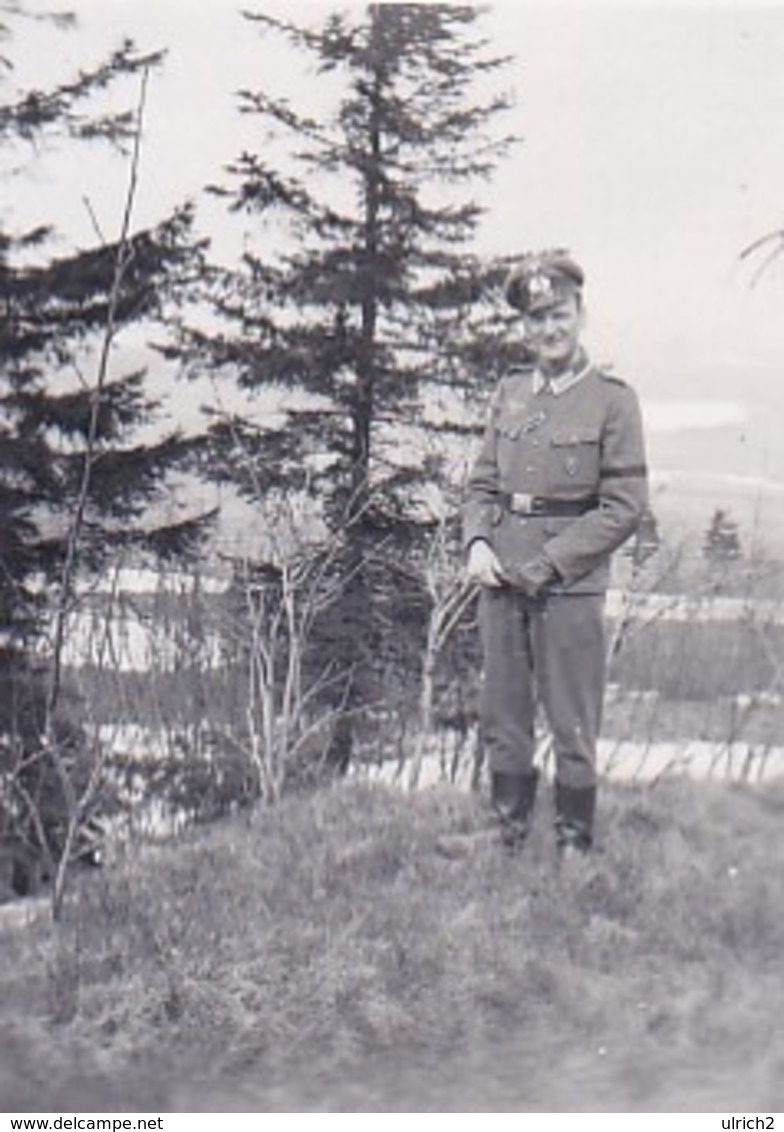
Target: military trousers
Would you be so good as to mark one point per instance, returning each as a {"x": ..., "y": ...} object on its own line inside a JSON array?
[{"x": 548, "y": 651}]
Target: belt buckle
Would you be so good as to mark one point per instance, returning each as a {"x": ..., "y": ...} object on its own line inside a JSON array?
[{"x": 522, "y": 502}]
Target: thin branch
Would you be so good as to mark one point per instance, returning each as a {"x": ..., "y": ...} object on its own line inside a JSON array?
[
  {"x": 74, "y": 804},
  {"x": 94, "y": 219},
  {"x": 122, "y": 262},
  {"x": 775, "y": 238}
]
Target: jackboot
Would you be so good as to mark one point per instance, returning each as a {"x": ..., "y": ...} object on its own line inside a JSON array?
[
  {"x": 512, "y": 799},
  {"x": 575, "y": 808}
]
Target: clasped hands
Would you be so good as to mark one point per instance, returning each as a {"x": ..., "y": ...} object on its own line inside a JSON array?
[{"x": 485, "y": 568}]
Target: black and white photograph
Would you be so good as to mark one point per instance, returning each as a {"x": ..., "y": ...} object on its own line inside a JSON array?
[{"x": 391, "y": 559}]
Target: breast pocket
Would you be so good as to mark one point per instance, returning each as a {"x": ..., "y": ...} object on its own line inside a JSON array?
[
  {"x": 573, "y": 461},
  {"x": 510, "y": 420}
]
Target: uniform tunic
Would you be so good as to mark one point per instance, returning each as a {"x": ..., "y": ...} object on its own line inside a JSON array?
[{"x": 573, "y": 454}]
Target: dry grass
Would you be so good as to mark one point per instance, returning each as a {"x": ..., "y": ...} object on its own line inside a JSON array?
[{"x": 324, "y": 956}]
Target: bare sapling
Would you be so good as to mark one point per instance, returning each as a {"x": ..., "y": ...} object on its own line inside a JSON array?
[
  {"x": 290, "y": 700},
  {"x": 79, "y": 799},
  {"x": 450, "y": 594}
]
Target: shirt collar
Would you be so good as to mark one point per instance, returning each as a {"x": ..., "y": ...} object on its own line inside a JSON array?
[{"x": 563, "y": 381}]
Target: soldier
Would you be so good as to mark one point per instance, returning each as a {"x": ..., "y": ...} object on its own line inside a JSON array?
[{"x": 560, "y": 482}]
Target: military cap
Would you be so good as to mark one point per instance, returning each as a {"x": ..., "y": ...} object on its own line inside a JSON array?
[{"x": 542, "y": 279}]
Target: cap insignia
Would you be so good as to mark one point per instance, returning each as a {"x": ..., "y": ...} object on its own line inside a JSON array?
[{"x": 540, "y": 286}]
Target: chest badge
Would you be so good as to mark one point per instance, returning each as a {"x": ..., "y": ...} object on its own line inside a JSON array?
[{"x": 571, "y": 464}]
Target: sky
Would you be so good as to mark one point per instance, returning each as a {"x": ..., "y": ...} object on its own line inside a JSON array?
[{"x": 650, "y": 147}]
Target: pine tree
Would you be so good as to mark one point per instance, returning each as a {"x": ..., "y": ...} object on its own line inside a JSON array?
[
  {"x": 375, "y": 304},
  {"x": 76, "y": 476}
]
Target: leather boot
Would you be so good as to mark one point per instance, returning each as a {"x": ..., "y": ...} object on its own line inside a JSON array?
[
  {"x": 574, "y": 817},
  {"x": 512, "y": 799}
]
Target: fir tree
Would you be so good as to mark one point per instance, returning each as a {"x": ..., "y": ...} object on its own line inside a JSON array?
[
  {"x": 376, "y": 302},
  {"x": 77, "y": 478}
]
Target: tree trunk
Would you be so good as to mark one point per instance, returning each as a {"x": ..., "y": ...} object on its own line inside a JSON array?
[{"x": 356, "y": 651}]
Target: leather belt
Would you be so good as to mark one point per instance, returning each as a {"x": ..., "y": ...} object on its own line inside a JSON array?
[{"x": 521, "y": 503}]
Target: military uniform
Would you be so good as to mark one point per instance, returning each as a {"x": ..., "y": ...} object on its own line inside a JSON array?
[{"x": 558, "y": 485}]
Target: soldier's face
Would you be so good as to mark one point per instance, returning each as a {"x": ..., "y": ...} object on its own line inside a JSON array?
[{"x": 553, "y": 333}]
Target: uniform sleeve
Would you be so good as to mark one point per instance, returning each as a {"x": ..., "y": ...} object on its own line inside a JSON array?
[
  {"x": 480, "y": 505},
  {"x": 623, "y": 492}
]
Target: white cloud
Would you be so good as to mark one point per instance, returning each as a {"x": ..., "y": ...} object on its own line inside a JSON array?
[{"x": 683, "y": 416}]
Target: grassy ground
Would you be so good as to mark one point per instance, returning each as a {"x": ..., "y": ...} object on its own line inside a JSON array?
[{"x": 325, "y": 957}]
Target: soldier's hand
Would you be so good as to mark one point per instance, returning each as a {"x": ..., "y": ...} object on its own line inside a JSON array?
[
  {"x": 483, "y": 565},
  {"x": 534, "y": 575}
]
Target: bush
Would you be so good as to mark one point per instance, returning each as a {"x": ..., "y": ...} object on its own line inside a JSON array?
[{"x": 43, "y": 769}]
